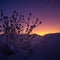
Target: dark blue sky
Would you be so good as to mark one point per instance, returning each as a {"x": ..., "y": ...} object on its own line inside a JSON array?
[
  {"x": 47, "y": 10},
  {"x": 28, "y": 4}
]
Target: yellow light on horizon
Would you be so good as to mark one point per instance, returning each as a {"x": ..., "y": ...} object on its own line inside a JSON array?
[{"x": 44, "y": 33}]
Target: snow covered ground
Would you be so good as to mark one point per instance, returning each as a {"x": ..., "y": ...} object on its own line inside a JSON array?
[{"x": 48, "y": 49}]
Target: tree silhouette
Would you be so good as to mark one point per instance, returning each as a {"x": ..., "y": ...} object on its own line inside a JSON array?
[{"x": 16, "y": 24}]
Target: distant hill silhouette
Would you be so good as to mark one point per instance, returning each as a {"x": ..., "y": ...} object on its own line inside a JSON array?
[{"x": 50, "y": 47}]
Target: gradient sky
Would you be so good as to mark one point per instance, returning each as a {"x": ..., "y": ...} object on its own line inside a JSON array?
[{"x": 48, "y": 11}]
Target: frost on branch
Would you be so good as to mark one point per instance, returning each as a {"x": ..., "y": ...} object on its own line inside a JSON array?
[{"x": 15, "y": 25}]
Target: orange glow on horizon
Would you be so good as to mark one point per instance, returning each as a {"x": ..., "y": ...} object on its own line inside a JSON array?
[
  {"x": 44, "y": 33},
  {"x": 41, "y": 30}
]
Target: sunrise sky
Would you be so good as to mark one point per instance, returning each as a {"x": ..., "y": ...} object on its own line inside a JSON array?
[{"x": 48, "y": 11}]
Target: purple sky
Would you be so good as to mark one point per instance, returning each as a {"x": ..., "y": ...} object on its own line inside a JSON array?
[{"x": 48, "y": 11}]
